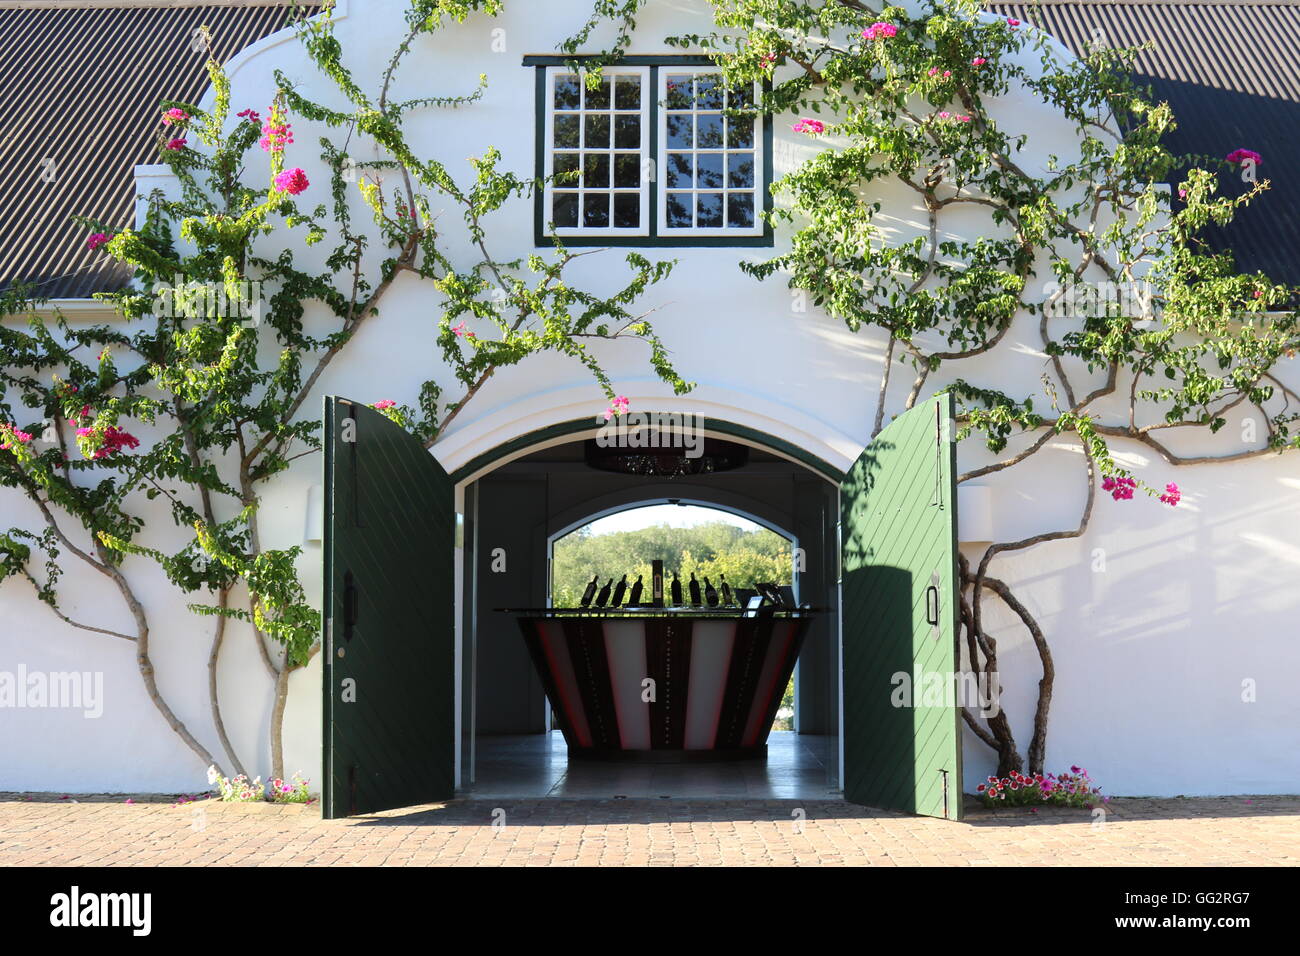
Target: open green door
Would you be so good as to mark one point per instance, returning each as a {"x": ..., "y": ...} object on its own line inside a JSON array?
[
  {"x": 389, "y": 642},
  {"x": 898, "y": 540}
]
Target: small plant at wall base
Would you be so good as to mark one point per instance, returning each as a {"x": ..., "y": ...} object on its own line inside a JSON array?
[
  {"x": 904, "y": 97},
  {"x": 200, "y": 397}
]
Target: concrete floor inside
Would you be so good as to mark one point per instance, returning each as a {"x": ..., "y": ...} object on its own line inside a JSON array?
[{"x": 798, "y": 766}]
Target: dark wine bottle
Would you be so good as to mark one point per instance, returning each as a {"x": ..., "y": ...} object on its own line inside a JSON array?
[
  {"x": 695, "y": 591},
  {"x": 727, "y": 597},
  {"x": 637, "y": 588},
  {"x": 603, "y": 596},
  {"x": 590, "y": 592},
  {"x": 676, "y": 591},
  {"x": 620, "y": 589},
  {"x": 710, "y": 593}
]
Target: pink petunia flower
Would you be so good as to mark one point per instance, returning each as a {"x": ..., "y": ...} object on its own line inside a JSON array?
[{"x": 291, "y": 181}]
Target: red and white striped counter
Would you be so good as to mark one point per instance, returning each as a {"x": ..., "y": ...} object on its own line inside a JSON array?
[{"x": 665, "y": 685}]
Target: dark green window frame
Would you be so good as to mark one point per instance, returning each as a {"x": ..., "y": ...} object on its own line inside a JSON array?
[{"x": 540, "y": 236}]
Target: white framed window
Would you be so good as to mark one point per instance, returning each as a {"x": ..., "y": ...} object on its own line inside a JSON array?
[
  {"x": 711, "y": 163},
  {"x": 597, "y": 142}
]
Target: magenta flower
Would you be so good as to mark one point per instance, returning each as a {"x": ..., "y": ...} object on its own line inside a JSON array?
[
  {"x": 1238, "y": 156},
  {"x": 978, "y": 61},
  {"x": 1121, "y": 489},
  {"x": 276, "y": 134},
  {"x": 175, "y": 144},
  {"x": 460, "y": 330},
  {"x": 618, "y": 407},
  {"x": 291, "y": 181},
  {"x": 879, "y": 31},
  {"x": 1172, "y": 495},
  {"x": 12, "y": 437},
  {"x": 806, "y": 125},
  {"x": 1013, "y": 22},
  {"x": 384, "y": 403},
  {"x": 175, "y": 116},
  {"x": 251, "y": 115},
  {"x": 97, "y": 240}
]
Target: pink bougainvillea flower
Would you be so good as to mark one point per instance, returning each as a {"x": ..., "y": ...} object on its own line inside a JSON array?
[
  {"x": 174, "y": 116},
  {"x": 251, "y": 115},
  {"x": 276, "y": 134},
  {"x": 1121, "y": 489},
  {"x": 460, "y": 330},
  {"x": 96, "y": 240},
  {"x": 12, "y": 437},
  {"x": 947, "y": 73},
  {"x": 1238, "y": 156},
  {"x": 291, "y": 181},
  {"x": 1172, "y": 495},
  {"x": 807, "y": 125},
  {"x": 933, "y": 71},
  {"x": 767, "y": 60},
  {"x": 879, "y": 31},
  {"x": 1182, "y": 194},
  {"x": 1012, "y": 22},
  {"x": 618, "y": 406},
  {"x": 944, "y": 114},
  {"x": 175, "y": 144},
  {"x": 384, "y": 403},
  {"x": 978, "y": 61}
]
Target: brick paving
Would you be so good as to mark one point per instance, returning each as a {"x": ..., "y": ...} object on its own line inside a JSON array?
[{"x": 45, "y": 830}]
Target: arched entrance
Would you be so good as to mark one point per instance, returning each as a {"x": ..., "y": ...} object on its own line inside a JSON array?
[{"x": 412, "y": 633}]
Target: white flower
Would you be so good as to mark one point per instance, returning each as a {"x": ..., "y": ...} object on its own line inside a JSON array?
[{"x": 213, "y": 776}]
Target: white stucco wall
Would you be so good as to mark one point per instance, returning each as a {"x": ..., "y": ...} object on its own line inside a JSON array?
[{"x": 1150, "y": 653}]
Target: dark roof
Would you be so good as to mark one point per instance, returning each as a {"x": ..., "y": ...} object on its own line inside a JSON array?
[
  {"x": 80, "y": 84},
  {"x": 1230, "y": 70}
]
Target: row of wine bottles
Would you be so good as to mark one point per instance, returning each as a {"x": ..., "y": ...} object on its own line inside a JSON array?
[{"x": 612, "y": 595}]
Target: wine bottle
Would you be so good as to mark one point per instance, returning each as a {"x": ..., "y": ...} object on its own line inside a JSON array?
[
  {"x": 603, "y": 596},
  {"x": 727, "y": 597},
  {"x": 695, "y": 591},
  {"x": 676, "y": 591},
  {"x": 620, "y": 589},
  {"x": 590, "y": 592},
  {"x": 637, "y": 588},
  {"x": 710, "y": 593}
]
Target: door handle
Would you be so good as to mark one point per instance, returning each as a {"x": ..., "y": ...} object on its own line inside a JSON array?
[{"x": 932, "y": 606}]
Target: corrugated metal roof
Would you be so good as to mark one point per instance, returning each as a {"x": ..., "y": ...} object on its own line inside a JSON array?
[
  {"x": 80, "y": 84},
  {"x": 1230, "y": 70}
]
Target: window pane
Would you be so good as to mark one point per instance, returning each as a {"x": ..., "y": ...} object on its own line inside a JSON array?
[
  {"x": 627, "y": 92},
  {"x": 708, "y": 171},
  {"x": 679, "y": 170},
  {"x": 740, "y": 99},
  {"x": 679, "y": 210},
  {"x": 708, "y": 93},
  {"x": 597, "y": 131},
  {"x": 627, "y": 170},
  {"x": 740, "y": 132},
  {"x": 595, "y": 171},
  {"x": 740, "y": 169},
  {"x": 565, "y": 163},
  {"x": 598, "y": 99},
  {"x": 740, "y": 210},
  {"x": 679, "y": 91},
  {"x": 627, "y": 132},
  {"x": 566, "y": 132},
  {"x": 708, "y": 131},
  {"x": 567, "y": 92},
  {"x": 564, "y": 211},
  {"x": 679, "y": 132},
  {"x": 595, "y": 210},
  {"x": 627, "y": 210},
  {"x": 708, "y": 210}
]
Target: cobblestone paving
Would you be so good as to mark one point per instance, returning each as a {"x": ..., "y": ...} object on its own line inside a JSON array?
[{"x": 51, "y": 829}]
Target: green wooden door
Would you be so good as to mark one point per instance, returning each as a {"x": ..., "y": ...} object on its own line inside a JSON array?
[
  {"x": 898, "y": 589},
  {"x": 389, "y": 692}
]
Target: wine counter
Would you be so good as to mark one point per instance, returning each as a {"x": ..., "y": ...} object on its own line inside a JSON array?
[{"x": 664, "y": 685}]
